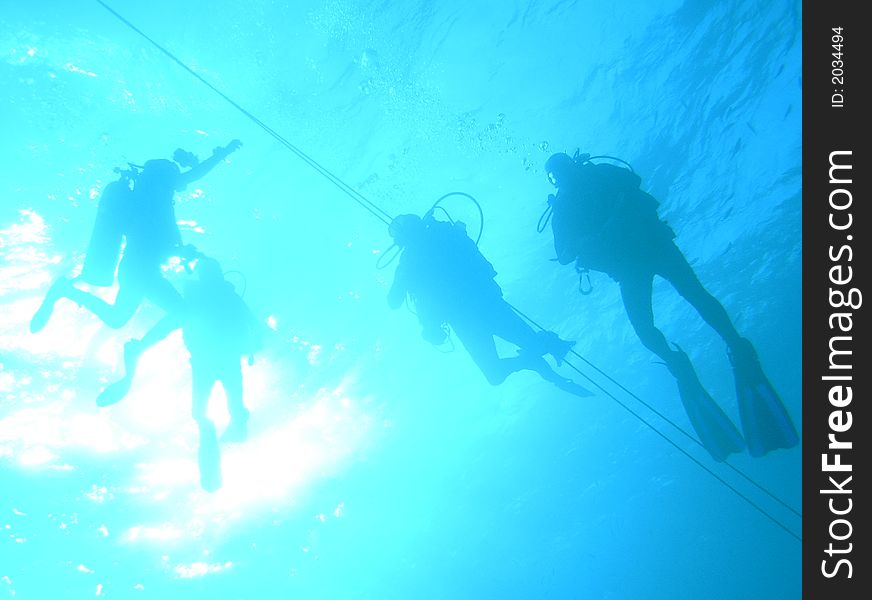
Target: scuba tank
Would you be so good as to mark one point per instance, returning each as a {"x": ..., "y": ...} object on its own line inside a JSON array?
[
  {"x": 107, "y": 235},
  {"x": 393, "y": 251}
]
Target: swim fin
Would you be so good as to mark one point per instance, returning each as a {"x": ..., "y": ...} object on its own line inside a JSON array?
[
  {"x": 715, "y": 430},
  {"x": 536, "y": 363},
  {"x": 114, "y": 392},
  {"x": 554, "y": 345},
  {"x": 765, "y": 420},
  {"x": 43, "y": 313},
  {"x": 568, "y": 385}
]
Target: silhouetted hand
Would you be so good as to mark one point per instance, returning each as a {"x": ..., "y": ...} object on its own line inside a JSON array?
[{"x": 228, "y": 149}]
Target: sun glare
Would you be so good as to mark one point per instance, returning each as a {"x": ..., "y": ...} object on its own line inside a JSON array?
[{"x": 49, "y": 382}]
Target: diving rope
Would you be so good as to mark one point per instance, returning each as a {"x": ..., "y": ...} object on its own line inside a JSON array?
[
  {"x": 676, "y": 426},
  {"x": 386, "y": 218}
]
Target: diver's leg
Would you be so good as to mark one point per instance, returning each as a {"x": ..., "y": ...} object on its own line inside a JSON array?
[
  {"x": 202, "y": 382},
  {"x": 510, "y": 326},
  {"x": 46, "y": 308},
  {"x": 158, "y": 332},
  {"x": 765, "y": 421},
  {"x": 636, "y": 291},
  {"x": 164, "y": 294},
  {"x": 477, "y": 337},
  {"x": 677, "y": 271},
  {"x": 716, "y": 432},
  {"x": 479, "y": 343},
  {"x": 114, "y": 315},
  {"x": 126, "y": 303},
  {"x": 231, "y": 379},
  {"x": 132, "y": 283},
  {"x": 161, "y": 292},
  {"x": 116, "y": 391},
  {"x": 208, "y": 454},
  {"x": 134, "y": 349},
  {"x": 136, "y": 281}
]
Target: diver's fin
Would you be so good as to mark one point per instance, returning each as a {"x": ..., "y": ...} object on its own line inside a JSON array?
[
  {"x": 715, "y": 430},
  {"x": 209, "y": 457},
  {"x": 568, "y": 385},
  {"x": 43, "y": 313},
  {"x": 536, "y": 363},
  {"x": 765, "y": 420},
  {"x": 554, "y": 345},
  {"x": 114, "y": 392}
]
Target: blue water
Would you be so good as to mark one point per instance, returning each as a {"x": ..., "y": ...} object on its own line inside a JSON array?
[{"x": 377, "y": 466}]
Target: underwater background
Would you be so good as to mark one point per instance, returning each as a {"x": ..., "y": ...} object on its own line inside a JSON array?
[{"x": 379, "y": 466}]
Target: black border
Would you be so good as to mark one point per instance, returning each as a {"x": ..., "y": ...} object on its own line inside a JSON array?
[{"x": 827, "y": 129}]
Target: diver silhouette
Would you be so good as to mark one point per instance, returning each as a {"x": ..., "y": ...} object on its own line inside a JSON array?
[
  {"x": 604, "y": 222},
  {"x": 218, "y": 329},
  {"x": 135, "y": 213},
  {"x": 450, "y": 283}
]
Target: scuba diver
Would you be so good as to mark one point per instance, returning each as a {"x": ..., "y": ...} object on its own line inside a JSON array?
[
  {"x": 603, "y": 221},
  {"x": 135, "y": 213},
  {"x": 218, "y": 329},
  {"x": 450, "y": 283}
]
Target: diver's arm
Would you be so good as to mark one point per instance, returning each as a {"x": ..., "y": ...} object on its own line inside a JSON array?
[
  {"x": 396, "y": 296},
  {"x": 397, "y": 293},
  {"x": 195, "y": 173},
  {"x": 564, "y": 247}
]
